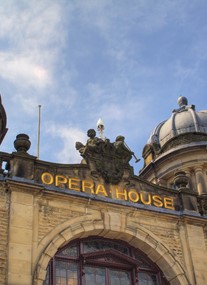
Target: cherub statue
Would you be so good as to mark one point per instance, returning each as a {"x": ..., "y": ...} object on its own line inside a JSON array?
[{"x": 93, "y": 144}]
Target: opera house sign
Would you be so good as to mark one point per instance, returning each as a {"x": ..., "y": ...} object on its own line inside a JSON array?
[
  {"x": 105, "y": 174},
  {"x": 115, "y": 192}
]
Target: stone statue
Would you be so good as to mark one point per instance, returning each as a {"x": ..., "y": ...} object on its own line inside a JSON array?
[
  {"x": 93, "y": 144},
  {"x": 110, "y": 160},
  {"x": 121, "y": 150}
]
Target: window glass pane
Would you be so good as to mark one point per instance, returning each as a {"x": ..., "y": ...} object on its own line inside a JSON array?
[
  {"x": 66, "y": 273},
  {"x": 119, "y": 277},
  {"x": 96, "y": 245},
  {"x": 72, "y": 268},
  {"x": 94, "y": 275},
  {"x": 71, "y": 251},
  {"x": 143, "y": 263},
  {"x": 147, "y": 278}
]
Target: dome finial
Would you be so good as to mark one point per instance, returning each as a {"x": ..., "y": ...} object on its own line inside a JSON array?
[{"x": 182, "y": 101}]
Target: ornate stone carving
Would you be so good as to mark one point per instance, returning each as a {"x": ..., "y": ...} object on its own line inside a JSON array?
[
  {"x": 202, "y": 205},
  {"x": 105, "y": 158},
  {"x": 22, "y": 143},
  {"x": 181, "y": 180}
]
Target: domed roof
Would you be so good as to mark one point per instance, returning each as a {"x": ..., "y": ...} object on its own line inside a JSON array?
[{"x": 184, "y": 121}]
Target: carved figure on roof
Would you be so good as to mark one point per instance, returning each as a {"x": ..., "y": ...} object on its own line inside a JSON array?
[
  {"x": 108, "y": 147},
  {"x": 121, "y": 150},
  {"x": 110, "y": 160},
  {"x": 93, "y": 143},
  {"x": 80, "y": 147}
]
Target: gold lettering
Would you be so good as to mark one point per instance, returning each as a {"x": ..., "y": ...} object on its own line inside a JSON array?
[
  {"x": 60, "y": 180},
  {"x": 47, "y": 178},
  {"x": 122, "y": 195},
  {"x": 74, "y": 184},
  {"x": 86, "y": 184},
  {"x": 149, "y": 200},
  {"x": 101, "y": 189},
  {"x": 169, "y": 203},
  {"x": 157, "y": 201},
  {"x": 133, "y": 196}
]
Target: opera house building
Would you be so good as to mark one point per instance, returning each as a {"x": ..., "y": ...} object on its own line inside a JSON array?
[{"x": 98, "y": 222}]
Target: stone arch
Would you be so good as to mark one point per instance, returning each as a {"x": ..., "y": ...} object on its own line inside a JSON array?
[{"x": 136, "y": 236}]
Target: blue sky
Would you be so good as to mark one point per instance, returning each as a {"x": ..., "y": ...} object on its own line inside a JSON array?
[{"x": 124, "y": 61}]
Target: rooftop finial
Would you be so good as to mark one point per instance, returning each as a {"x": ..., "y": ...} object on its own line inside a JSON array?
[
  {"x": 100, "y": 127},
  {"x": 182, "y": 101}
]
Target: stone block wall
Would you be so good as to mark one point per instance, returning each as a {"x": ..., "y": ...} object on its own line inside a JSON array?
[
  {"x": 35, "y": 223},
  {"x": 4, "y": 217}
]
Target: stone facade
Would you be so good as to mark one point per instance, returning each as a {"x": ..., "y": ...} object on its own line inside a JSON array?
[
  {"x": 37, "y": 219},
  {"x": 4, "y": 218},
  {"x": 162, "y": 213}
]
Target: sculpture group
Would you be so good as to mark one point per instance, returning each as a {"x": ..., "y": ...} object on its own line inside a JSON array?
[{"x": 106, "y": 158}]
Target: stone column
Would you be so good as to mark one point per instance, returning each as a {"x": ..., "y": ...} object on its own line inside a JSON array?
[
  {"x": 200, "y": 183},
  {"x": 190, "y": 183}
]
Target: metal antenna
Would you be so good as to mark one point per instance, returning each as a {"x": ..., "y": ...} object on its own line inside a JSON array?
[
  {"x": 100, "y": 127},
  {"x": 38, "y": 135}
]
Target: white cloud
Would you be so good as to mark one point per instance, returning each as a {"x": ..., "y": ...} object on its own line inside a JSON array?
[
  {"x": 23, "y": 70},
  {"x": 68, "y": 136},
  {"x": 33, "y": 36},
  {"x": 82, "y": 60},
  {"x": 31, "y": 24}
]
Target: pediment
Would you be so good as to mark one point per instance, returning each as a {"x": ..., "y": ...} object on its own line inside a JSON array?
[{"x": 110, "y": 257}]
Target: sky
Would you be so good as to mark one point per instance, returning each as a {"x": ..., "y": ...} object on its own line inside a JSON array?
[{"x": 126, "y": 62}]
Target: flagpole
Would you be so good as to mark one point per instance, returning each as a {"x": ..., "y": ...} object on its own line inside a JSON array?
[{"x": 38, "y": 135}]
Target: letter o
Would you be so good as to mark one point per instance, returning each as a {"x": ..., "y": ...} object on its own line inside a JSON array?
[
  {"x": 47, "y": 178},
  {"x": 133, "y": 196}
]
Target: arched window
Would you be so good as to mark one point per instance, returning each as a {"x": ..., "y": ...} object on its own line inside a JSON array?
[{"x": 101, "y": 261}]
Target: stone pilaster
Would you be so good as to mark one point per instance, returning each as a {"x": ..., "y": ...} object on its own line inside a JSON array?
[
  {"x": 20, "y": 239},
  {"x": 195, "y": 242},
  {"x": 200, "y": 183}
]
